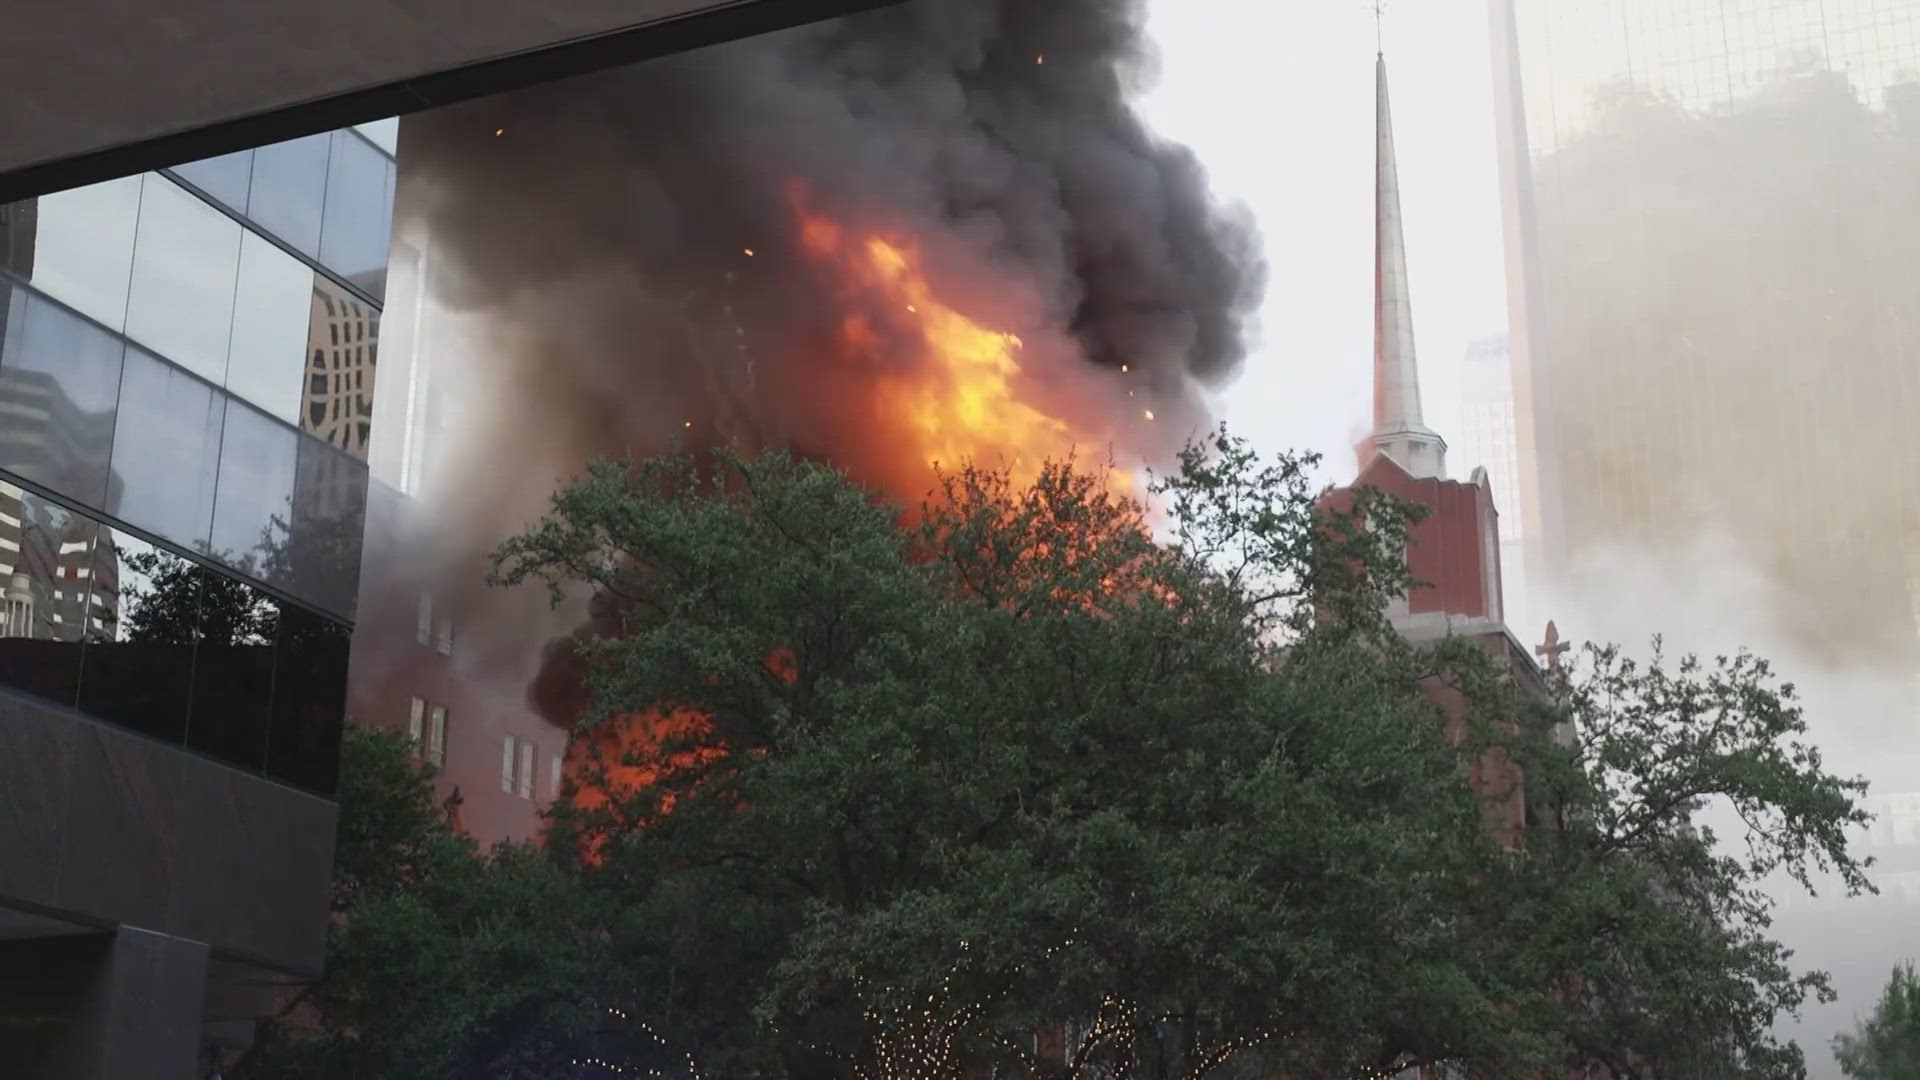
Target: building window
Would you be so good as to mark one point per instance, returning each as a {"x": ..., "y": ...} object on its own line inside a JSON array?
[
  {"x": 424, "y": 632},
  {"x": 437, "y": 737},
  {"x": 553, "y": 782},
  {"x": 416, "y": 720},
  {"x": 526, "y": 769},
  {"x": 443, "y": 638},
  {"x": 507, "y": 759}
]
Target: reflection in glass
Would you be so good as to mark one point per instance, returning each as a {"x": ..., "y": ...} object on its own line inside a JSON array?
[
  {"x": 225, "y": 178},
  {"x": 343, "y": 351},
  {"x": 137, "y": 667},
  {"x": 81, "y": 248},
  {"x": 289, "y": 190},
  {"x": 322, "y": 558},
  {"x": 233, "y": 670},
  {"x": 59, "y": 383},
  {"x": 19, "y": 228},
  {"x": 309, "y": 700},
  {"x": 254, "y": 488},
  {"x": 180, "y": 302},
  {"x": 164, "y": 451},
  {"x": 271, "y": 307},
  {"x": 357, "y": 228},
  {"x": 46, "y": 564}
]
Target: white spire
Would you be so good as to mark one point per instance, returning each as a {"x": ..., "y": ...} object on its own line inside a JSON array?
[{"x": 1398, "y": 430}]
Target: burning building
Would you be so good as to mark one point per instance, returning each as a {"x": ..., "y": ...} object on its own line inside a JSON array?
[{"x": 907, "y": 239}]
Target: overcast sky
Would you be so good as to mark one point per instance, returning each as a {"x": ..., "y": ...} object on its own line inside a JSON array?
[{"x": 1277, "y": 99}]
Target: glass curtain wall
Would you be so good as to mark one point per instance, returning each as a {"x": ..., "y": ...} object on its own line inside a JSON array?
[{"x": 187, "y": 361}]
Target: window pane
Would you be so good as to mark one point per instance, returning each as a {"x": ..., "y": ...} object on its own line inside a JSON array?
[
  {"x": 59, "y": 383},
  {"x": 81, "y": 247},
  {"x": 309, "y": 700},
  {"x": 342, "y": 349},
  {"x": 437, "y": 743},
  {"x": 137, "y": 667},
  {"x": 384, "y": 133},
  {"x": 356, "y": 230},
  {"x": 226, "y": 177},
  {"x": 526, "y": 770},
  {"x": 326, "y": 528},
  {"x": 233, "y": 670},
  {"x": 165, "y": 448},
  {"x": 255, "y": 486},
  {"x": 46, "y": 563},
  {"x": 289, "y": 190},
  {"x": 185, "y": 266},
  {"x": 506, "y": 765},
  {"x": 271, "y": 307}
]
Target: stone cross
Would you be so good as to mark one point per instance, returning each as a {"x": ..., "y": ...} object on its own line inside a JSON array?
[{"x": 1551, "y": 648}]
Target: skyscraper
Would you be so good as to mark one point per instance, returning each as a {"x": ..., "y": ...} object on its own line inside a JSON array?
[
  {"x": 1710, "y": 216},
  {"x": 1489, "y": 439},
  {"x": 1711, "y": 211}
]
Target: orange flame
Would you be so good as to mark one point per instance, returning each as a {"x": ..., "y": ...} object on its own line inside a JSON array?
[{"x": 960, "y": 399}]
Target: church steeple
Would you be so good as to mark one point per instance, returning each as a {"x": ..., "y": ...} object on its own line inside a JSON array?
[{"x": 1398, "y": 430}]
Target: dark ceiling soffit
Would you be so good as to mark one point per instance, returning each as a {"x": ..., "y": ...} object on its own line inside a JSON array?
[{"x": 682, "y": 33}]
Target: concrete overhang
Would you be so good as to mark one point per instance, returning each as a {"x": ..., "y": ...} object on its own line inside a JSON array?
[{"x": 103, "y": 88}]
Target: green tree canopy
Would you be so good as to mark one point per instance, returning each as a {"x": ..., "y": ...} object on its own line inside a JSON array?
[
  {"x": 1887, "y": 1044},
  {"x": 929, "y": 788}
]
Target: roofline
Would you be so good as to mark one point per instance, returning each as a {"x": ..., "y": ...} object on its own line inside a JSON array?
[{"x": 513, "y": 71}]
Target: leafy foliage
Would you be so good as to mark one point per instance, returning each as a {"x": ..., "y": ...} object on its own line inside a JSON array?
[
  {"x": 1011, "y": 785},
  {"x": 1019, "y": 763},
  {"x": 442, "y": 961},
  {"x": 1887, "y": 1044}
]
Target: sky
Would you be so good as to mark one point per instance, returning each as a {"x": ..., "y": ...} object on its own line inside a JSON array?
[{"x": 1277, "y": 101}]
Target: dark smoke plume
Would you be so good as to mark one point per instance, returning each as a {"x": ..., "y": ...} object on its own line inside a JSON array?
[{"x": 601, "y": 226}]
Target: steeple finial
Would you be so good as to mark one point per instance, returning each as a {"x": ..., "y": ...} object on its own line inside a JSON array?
[{"x": 1398, "y": 430}]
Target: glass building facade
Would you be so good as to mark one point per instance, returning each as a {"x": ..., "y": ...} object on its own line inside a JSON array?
[
  {"x": 187, "y": 361},
  {"x": 1711, "y": 211}
]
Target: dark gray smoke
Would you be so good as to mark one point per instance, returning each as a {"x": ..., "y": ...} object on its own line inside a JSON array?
[
  {"x": 609, "y": 218},
  {"x": 585, "y": 249}
]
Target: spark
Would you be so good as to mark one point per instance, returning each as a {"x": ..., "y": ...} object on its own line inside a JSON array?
[
  {"x": 749, "y": 252},
  {"x": 499, "y": 131},
  {"x": 1123, "y": 369},
  {"x": 1149, "y": 413},
  {"x": 1041, "y": 59}
]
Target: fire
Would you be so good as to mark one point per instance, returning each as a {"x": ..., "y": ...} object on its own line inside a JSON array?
[{"x": 959, "y": 398}]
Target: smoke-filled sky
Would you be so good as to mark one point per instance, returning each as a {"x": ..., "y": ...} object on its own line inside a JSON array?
[{"x": 1277, "y": 101}]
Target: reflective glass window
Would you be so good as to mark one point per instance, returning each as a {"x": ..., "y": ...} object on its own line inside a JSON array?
[
  {"x": 309, "y": 700},
  {"x": 46, "y": 566},
  {"x": 253, "y": 495},
  {"x": 289, "y": 190},
  {"x": 233, "y": 670},
  {"x": 357, "y": 228},
  {"x": 77, "y": 246},
  {"x": 321, "y": 562},
  {"x": 384, "y": 133},
  {"x": 343, "y": 348},
  {"x": 19, "y": 221},
  {"x": 137, "y": 667},
  {"x": 59, "y": 385},
  {"x": 271, "y": 309},
  {"x": 225, "y": 178},
  {"x": 165, "y": 450},
  {"x": 185, "y": 265}
]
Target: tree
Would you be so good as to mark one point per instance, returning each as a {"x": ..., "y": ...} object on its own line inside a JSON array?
[
  {"x": 442, "y": 961},
  {"x": 894, "y": 797},
  {"x": 1887, "y": 1044}
]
